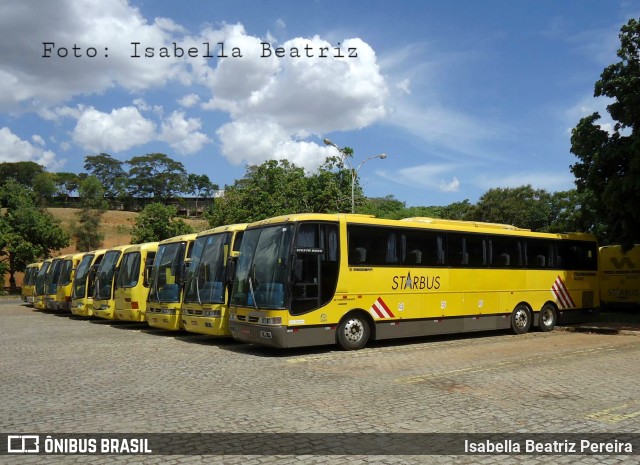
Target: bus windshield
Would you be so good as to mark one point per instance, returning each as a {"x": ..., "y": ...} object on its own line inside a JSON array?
[
  {"x": 207, "y": 272},
  {"x": 129, "y": 271},
  {"x": 80, "y": 281},
  {"x": 53, "y": 276},
  {"x": 40, "y": 278},
  {"x": 166, "y": 275},
  {"x": 262, "y": 271},
  {"x": 65, "y": 273},
  {"x": 104, "y": 280}
]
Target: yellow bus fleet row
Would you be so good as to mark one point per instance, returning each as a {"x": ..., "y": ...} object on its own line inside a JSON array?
[{"x": 312, "y": 279}]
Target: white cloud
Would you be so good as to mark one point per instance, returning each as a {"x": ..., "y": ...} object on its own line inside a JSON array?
[
  {"x": 189, "y": 100},
  {"x": 119, "y": 130},
  {"x": 13, "y": 149},
  {"x": 404, "y": 86},
  {"x": 58, "y": 113},
  {"x": 451, "y": 186},
  {"x": 549, "y": 181},
  {"x": 38, "y": 139},
  {"x": 275, "y": 103},
  {"x": 92, "y": 25},
  {"x": 259, "y": 140},
  {"x": 431, "y": 177},
  {"x": 295, "y": 97},
  {"x": 182, "y": 133},
  {"x": 126, "y": 127},
  {"x": 444, "y": 128}
]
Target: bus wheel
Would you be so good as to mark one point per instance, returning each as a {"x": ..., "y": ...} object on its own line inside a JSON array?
[
  {"x": 353, "y": 332},
  {"x": 548, "y": 317},
  {"x": 520, "y": 319}
]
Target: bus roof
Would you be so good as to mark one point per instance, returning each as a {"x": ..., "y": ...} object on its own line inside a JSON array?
[
  {"x": 423, "y": 223},
  {"x": 143, "y": 246},
  {"x": 225, "y": 228},
  {"x": 183, "y": 237}
]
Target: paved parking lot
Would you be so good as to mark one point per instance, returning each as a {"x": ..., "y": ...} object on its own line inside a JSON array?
[{"x": 60, "y": 374}]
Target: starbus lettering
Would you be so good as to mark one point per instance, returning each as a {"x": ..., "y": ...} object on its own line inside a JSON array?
[{"x": 415, "y": 282}]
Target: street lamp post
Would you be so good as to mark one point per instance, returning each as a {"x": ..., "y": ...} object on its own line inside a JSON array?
[{"x": 354, "y": 172}]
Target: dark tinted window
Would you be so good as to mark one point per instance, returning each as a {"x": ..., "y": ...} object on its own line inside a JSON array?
[
  {"x": 423, "y": 248},
  {"x": 505, "y": 252},
  {"x": 373, "y": 246}
]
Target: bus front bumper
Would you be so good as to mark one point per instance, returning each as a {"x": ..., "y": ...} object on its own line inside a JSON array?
[
  {"x": 274, "y": 336},
  {"x": 211, "y": 326}
]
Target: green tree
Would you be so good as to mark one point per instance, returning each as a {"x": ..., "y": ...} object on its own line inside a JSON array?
[
  {"x": 44, "y": 187},
  {"x": 200, "y": 186},
  {"x": 27, "y": 233},
  {"x": 66, "y": 183},
  {"x": 271, "y": 189},
  {"x": 156, "y": 175},
  {"x": 156, "y": 223},
  {"x": 21, "y": 171},
  {"x": 110, "y": 173},
  {"x": 608, "y": 170},
  {"x": 384, "y": 207},
  {"x": 329, "y": 188},
  {"x": 87, "y": 230},
  {"x": 524, "y": 207}
]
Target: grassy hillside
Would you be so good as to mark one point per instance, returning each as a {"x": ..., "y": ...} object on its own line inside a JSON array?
[{"x": 115, "y": 226}]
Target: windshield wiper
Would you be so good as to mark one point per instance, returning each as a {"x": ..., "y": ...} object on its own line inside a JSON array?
[{"x": 253, "y": 296}]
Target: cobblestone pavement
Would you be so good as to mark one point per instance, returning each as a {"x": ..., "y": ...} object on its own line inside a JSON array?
[{"x": 60, "y": 374}]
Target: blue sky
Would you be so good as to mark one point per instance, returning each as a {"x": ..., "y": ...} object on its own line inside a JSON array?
[{"x": 463, "y": 96}]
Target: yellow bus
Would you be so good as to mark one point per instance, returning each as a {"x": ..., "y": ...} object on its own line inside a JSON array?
[
  {"x": 167, "y": 274},
  {"x": 40, "y": 285},
  {"x": 65, "y": 282},
  {"x": 132, "y": 281},
  {"x": 205, "y": 308},
  {"x": 84, "y": 283},
  {"x": 29, "y": 282},
  {"x": 51, "y": 283},
  {"x": 312, "y": 279},
  {"x": 620, "y": 277},
  {"x": 104, "y": 304}
]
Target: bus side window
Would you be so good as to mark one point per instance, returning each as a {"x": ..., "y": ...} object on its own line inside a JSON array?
[{"x": 423, "y": 248}]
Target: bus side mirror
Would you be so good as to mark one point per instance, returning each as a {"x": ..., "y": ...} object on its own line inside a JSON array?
[
  {"x": 183, "y": 272},
  {"x": 231, "y": 269},
  {"x": 146, "y": 275}
]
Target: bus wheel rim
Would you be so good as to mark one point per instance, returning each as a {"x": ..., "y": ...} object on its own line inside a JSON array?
[
  {"x": 353, "y": 330},
  {"x": 547, "y": 316},
  {"x": 521, "y": 318}
]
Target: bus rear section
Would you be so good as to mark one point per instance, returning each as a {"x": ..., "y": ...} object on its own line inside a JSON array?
[
  {"x": 65, "y": 282},
  {"x": 325, "y": 279},
  {"x": 620, "y": 277},
  {"x": 167, "y": 282},
  {"x": 29, "y": 282},
  {"x": 40, "y": 286},
  {"x": 103, "y": 299},
  {"x": 132, "y": 282},
  {"x": 209, "y": 277},
  {"x": 84, "y": 283}
]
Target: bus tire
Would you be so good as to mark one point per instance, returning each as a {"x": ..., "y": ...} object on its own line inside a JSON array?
[
  {"x": 548, "y": 317},
  {"x": 353, "y": 332},
  {"x": 520, "y": 319}
]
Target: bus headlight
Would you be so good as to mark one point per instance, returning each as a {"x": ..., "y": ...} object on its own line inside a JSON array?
[
  {"x": 276, "y": 320},
  {"x": 232, "y": 316}
]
